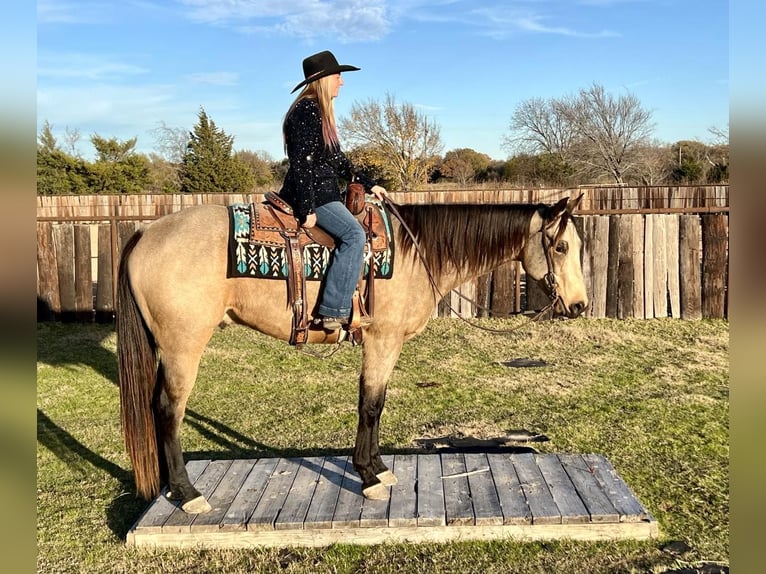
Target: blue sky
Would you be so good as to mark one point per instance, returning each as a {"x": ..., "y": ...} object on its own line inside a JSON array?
[{"x": 122, "y": 68}]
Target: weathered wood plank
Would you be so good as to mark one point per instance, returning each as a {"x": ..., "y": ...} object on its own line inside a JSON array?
[
  {"x": 349, "y": 508},
  {"x": 293, "y": 512},
  {"x": 403, "y": 510},
  {"x": 47, "y": 273},
  {"x": 457, "y": 493},
  {"x": 486, "y": 504},
  {"x": 567, "y": 500},
  {"x": 375, "y": 512},
  {"x": 430, "y": 492},
  {"x": 249, "y": 494},
  {"x": 221, "y": 498},
  {"x": 513, "y": 503},
  {"x": 483, "y": 290},
  {"x": 539, "y": 499},
  {"x": 600, "y": 259},
  {"x": 660, "y": 279},
  {"x": 63, "y": 240},
  {"x": 638, "y": 265},
  {"x": 180, "y": 521},
  {"x": 325, "y": 499},
  {"x": 274, "y": 495},
  {"x": 715, "y": 235},
  {"x": 690, "y": 259},
  {"x": 625, "y": 269},
  {"x": 649, "y": 257},
  {"x": 501, "y": 302},
  {"x": 596, "y": 501},
  {"x": 674, "y": 271},
  {"x": 105, "y": 279},
  {"x": 612, "y": 267},
  {"x": 83, "y": 280},
  {"x": 161, "y": 507},
  {"x": 621, "y": 497}
]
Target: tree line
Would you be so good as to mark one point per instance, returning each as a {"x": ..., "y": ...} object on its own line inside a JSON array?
[{"x": 589, "y": 137}]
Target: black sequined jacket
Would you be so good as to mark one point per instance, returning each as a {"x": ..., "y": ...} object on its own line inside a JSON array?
[{"x": 314, "y": 172}]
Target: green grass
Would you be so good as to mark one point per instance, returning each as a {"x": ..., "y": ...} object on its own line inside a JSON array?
[{"x": 651, "y": 396}]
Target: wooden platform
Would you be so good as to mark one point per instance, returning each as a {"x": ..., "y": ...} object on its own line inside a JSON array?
[{"x": 439, "y": 498}]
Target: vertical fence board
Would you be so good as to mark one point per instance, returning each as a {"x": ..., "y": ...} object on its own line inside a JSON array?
[
  {"x": 637, "y": 224},
  {"x": 674, "y": 272},
  {"x": 48, "y": 294},
  {"x": 501, "y": 298},
  {"x": 612, "y": 266},
  {"x": 104, "y": 290},
  {"x": 83, "y": 276},
  {"x": 690, "y": 262},
  {"x": 482, "y": 294},
  {"x": 649, "y": 257},
  {"x": 714, "y": 248},
  {"x": 63, "y": 241},
  {"x": 659, "y": 286},
  {"x": 625, "y": 269},
  {"x": 599, "y": 248}
]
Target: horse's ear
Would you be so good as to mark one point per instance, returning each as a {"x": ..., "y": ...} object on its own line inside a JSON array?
[
  {"x": 573, "y": 204},
  {"x": 554, "y": 211}
]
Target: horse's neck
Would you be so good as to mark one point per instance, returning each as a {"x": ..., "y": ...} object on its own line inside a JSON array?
[{"x": 447, "y": 281}]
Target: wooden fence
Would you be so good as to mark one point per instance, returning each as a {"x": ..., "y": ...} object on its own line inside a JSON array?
[{"x": 648, "y": 252}]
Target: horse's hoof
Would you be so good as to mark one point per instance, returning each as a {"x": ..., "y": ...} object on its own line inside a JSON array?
[
  {"x": 376, "y": 492},
  {"x": 387, "y": 478},
  {"x": 196, "y": 506}
]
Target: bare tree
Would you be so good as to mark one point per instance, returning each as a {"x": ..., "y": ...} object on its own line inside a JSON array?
[
  {"x": 395, "y": 138},
  {"x": 653, "y": 162},
  {"x": 609, "y": 130},
  {"x": 541, "y": 126},
  {"x": 595, "y": 132},
  {"x": 171, "y": 142}
]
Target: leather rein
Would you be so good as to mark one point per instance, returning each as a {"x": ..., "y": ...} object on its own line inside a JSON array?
[{"x": 549, "y": 278}]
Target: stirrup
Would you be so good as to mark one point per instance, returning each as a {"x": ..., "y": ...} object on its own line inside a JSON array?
[{"x": 333, "y": 323}]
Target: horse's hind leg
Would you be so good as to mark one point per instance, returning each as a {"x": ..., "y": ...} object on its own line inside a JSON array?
[
  {"x": 380, "y": 356},
  {"x": 176, "y": 378}
]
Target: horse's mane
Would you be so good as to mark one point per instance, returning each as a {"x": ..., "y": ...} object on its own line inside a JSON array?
[{"x": 466, "y": 237}]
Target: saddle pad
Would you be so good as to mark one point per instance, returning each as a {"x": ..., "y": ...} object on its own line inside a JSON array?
[{"x": 268, "y": 259}]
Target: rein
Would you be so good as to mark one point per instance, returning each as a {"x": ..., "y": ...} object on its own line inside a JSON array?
[{"x": 550, "y": 278}]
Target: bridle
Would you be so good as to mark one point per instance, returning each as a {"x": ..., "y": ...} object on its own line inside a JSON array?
[{"x": 550, "y": 276}]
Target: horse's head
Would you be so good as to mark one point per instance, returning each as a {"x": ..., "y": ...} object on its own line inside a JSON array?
[{"x": 551, "y": 256}]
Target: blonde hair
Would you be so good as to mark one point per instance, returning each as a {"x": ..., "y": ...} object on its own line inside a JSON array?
[{"x": 319, "y": 90}]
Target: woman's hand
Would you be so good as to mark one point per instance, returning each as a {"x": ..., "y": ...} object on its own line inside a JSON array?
[
  {"x": 311, "y": 221},
  {"x": 379, "y": 192}
]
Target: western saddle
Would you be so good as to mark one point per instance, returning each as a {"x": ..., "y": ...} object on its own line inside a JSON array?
[{"x": 275, "y": 216}]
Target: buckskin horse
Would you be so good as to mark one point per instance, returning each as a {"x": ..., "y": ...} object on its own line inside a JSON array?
[{"x": 173, "y": 292}]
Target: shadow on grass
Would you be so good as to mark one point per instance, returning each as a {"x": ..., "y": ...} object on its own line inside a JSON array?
[
  {"x": 124, "y": 510},
  {"x": 84, "y": 350}
]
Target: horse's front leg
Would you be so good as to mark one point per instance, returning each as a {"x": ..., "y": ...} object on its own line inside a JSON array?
[{"x": 380, "y": 356}]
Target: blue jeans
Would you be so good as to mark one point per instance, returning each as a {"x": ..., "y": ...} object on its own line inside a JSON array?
[{"x": 347, "y": 258}]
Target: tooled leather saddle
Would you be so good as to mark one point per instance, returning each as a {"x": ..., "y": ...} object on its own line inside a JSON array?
[{"x": 273, "y": 226}]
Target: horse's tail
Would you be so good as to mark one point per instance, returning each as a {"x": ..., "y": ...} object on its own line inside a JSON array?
[{"x": 137, "y": 368}]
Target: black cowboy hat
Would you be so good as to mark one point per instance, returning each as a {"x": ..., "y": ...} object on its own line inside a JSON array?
[{"x": 321, "y": 65}]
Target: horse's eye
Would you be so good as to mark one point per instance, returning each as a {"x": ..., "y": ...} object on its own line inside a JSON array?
[{"x": 562, "y": 247}]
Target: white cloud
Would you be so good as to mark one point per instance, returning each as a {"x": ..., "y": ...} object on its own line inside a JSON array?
[
  {"x": 345, "y": 20},
  {"x": 55, "y": 12},
  {"x": 214, "y": 78},
  {"x": 80, "y": 66}
]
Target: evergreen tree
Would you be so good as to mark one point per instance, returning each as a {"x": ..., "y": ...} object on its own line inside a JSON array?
[
  {"x": 58, "y": 173},
  {"x": 209, "y": 166},
  {"x": 118, "y": 167}
]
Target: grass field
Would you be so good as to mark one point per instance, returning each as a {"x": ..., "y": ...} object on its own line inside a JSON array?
[{"x": 651, "y": 396}]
